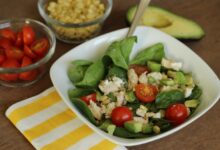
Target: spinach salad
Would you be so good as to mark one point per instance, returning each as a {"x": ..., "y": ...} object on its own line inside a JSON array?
[{"x": 135, "y": 98}]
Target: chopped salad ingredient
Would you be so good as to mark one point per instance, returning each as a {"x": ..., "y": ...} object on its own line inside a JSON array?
[{"x": 147, "y": 95}]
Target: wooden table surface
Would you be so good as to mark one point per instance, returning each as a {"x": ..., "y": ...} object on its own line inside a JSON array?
[{"x": 203, "y": 134}]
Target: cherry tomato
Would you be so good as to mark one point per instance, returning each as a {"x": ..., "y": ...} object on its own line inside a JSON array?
[
  {"x": 2, "y": 56},
  {"x": 120, "y": 115},
  {"x": 8, "y": 34},
  {"x": 28, "y": 75},
  {"x": 40, "y": 47},
  {"x": 14, "y": 53},
  {"x": 176, "y": 113},
  {"x": 88, "y": 98},
  {"x": 28, "y": 34},
  {"x": 10, "y": 63},
  {"x": 139, "y": 69},
  {"x": 5, "y": 43},
  {"x": 19, "y": 39},
  {"x": 29, "y": 52},
  {"x": 146, "y": 92}
]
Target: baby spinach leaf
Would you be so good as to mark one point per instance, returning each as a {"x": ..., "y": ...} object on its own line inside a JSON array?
[
  {"x": 84, "y": 109},
  {"x": 77, "y": 69},
  {"x": 196, "y": 93},
  {"x": 118, "y": 72},
  {"x": 79, "y": 92},
  {"x": 162, "y": 123},
  {"x": 116, "y": 56},
  {"x": 122, "y": 132},
  {"x": 126, "y": 46},
  {"x": 153, "y": 53},
  {"x": 93, "y": 75},
  {"x": 167, "y": 98},
  {"x": 119, "y": 52}
]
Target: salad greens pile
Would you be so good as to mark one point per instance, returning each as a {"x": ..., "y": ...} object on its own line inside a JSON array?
[{"x": 133, "y": 98}]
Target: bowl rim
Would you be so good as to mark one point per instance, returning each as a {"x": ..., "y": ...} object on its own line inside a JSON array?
[
  {"x": 42, "y": 61},
  {"x": 47, "y": 18},
  {"x": 102, "y": 133}
]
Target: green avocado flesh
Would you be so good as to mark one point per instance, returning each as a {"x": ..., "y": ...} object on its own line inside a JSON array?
[{"x": 166, "y": 21}]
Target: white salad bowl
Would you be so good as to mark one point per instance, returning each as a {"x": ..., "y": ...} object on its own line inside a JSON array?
[{"x": 174, "y": 49}]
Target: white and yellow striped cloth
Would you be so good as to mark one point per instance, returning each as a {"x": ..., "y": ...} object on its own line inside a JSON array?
[{"x": 49, "y": 124}]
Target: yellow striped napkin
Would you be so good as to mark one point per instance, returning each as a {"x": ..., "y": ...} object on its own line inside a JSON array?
[{"x": 49, "y": 124}]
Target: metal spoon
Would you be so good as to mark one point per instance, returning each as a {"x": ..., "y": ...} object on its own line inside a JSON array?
[{"x": 141, "y": 7}]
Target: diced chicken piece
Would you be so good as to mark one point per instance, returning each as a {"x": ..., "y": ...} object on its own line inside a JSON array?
[
  {"x": 132, "y": 78},
  {"x": 120, "y": 98},
  {"x": 96, "y": 110},
  {"x": 143, "y": 78},
  {"x": 188, "y": 91},
  {"x": 171, "y": 64},
  {"x": 141, "y": 111},
  {"x": 112, "y": 85},
  {"x": 109, "y": 109},
  {"x": 141, "y": 119}
]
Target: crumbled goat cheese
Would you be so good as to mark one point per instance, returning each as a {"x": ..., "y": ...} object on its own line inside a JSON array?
[{"x": 141, "y": 111}]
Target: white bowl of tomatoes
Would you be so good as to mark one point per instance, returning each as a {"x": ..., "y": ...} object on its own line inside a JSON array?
[{"x": 26, "y": 46}]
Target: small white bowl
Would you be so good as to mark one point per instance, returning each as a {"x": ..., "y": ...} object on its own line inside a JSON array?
[{"x": 147, "y": 36}]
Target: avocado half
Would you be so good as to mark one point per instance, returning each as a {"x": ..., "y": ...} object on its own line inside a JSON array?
[{"x": 166, "y": 21}]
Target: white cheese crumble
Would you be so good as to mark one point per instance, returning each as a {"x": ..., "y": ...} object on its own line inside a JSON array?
[{"x": 141, "y": 120}]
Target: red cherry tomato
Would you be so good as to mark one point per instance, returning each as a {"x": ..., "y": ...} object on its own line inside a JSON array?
[
  {"x": 14, "y": 53},
  {"x": 28, "y": 75},
  {"x": 146, "y": 92},
  {"x": 120, "y": 115},
  {"x": 139, "y": 69},
  {"x": 10, "y": 63},
  {"x": 88, "y": 98},
  {"x": 5, "y": 43},
  {"x": 8, "y": 34},
  {"x": 19, "y": 39},
  {"x": 28, "y": 34},
  {"x": 29, "y": 52},
  {"x": 176, "y": 113},
  {"x": 2, "y": 56},
  {"x": 40, "y": 47}
]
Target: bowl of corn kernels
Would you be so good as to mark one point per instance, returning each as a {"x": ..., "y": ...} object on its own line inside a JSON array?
[{"x": 75, "y": 21}]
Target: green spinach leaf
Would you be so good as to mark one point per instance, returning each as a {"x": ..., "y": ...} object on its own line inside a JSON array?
[
  {"x": 153, "y": 53},
  {"x": 79, "y": 92},
  {"x": 77, "y": 70},
  {"x": 162, "y": 123},
  {"x": 196, "y": 93},
  {"x": 93, "y": 75},
  {"x": 83, "y": 108},
  {"x": 118, "y": 72},
  {"x": 167, "y": 98}
]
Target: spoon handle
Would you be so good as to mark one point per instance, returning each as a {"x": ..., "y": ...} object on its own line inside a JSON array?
[{"x": 141, "y": 7}]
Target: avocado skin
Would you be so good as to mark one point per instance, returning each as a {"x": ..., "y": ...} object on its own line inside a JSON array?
[{"x": 191, "y": 29}]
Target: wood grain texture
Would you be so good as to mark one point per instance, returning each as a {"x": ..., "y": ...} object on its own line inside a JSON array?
[{"x": 203, "y": 134}]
